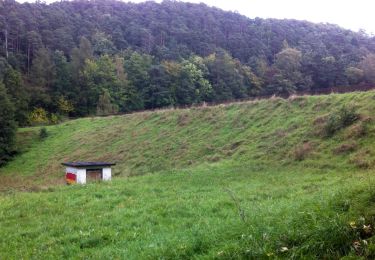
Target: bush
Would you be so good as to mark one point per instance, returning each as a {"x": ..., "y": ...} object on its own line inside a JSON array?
[
  {"x": 347, "y": 116},
  {"x": 340, "y": 119},
  {"x": 331, "y": 126},
  {"x": 43, "y": 134},
  {"x": 54, "y": 119},
  {"x": 38, "y": 117}
]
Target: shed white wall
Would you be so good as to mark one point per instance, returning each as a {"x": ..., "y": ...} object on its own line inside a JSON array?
[
  {"x": 81, "y": 176},
  {"x": 107, "y": 174}
]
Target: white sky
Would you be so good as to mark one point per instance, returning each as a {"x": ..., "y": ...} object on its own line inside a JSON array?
[{"x": 351, "y": 14}]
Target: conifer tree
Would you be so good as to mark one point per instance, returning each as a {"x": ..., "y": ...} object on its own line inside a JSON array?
[{"x": 7, "y": 126}]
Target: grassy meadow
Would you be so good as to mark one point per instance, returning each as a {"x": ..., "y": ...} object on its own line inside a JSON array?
[{"x": 254, "y": 180}]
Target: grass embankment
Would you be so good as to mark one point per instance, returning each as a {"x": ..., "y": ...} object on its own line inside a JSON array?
[{"x": 250, "y": 180}]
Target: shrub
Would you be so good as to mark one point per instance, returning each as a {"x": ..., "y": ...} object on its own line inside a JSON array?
[
  {"x": 54, "y": 119},
  {"x": 43, "y": 134},
  {"x": 38, "y": 117},
  {"x": 347, "y": 116},
  {"x": 340, "y": 119},
  {"x": 183, "y": 119},
  {"x": 332, "y": 125},
  {"x": 65, "y": 106}
]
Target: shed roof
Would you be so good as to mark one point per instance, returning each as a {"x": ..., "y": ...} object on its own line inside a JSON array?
[{"x": 88, "y": 164}]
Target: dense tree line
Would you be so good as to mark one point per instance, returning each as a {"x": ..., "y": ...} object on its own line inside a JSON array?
[{"x": 77, "y": 58}]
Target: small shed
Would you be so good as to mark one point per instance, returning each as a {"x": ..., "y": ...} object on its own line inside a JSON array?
[{"x": 83, "y": 172}]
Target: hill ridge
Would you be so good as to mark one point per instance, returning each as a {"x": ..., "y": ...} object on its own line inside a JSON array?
[{"x": 153, "y": 141}]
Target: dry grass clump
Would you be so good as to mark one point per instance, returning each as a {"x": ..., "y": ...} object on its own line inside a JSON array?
[
  {"x": 345, "y": 148},
  {"x": 214, "y": 158},
  {"x": 319, "y": 123},
  {"x": 356, "y": 131},
  {"x": 300, "y": 100},
  {"x": 235, "y": 145},
  {"x": 320, "y": 120},
  {"x": 301, "y": 152},
  {"x": 359, "y": 129},
  {"x": 362, "y": 159},
  {"x": 183, "y": 119}
]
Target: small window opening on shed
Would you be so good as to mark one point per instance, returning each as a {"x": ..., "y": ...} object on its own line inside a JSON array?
[{"x": 94, "y": 175}]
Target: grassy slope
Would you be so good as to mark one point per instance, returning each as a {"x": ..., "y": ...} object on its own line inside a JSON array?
[{"x": 226, "y": 183}]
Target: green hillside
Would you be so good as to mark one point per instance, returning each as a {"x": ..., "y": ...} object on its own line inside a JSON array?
[{"x": 264, "y": 179}]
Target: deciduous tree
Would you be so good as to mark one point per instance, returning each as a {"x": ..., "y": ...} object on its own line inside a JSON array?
[{"x": 368, "y": 67}]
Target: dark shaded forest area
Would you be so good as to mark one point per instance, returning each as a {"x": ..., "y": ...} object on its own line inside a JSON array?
[{"x": 78, "y": 58}]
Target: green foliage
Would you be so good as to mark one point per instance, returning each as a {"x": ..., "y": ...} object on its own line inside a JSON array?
[
  {"x": 368, "y": 67},
  {"x": 187, "y": 82},
  {"x": 157, "y": 93},
  {"x": 348, "y": 115},
  {"x": 137, "y": 67},
  {"x": 42, "y": 70},
  {"x": 179, "y": 31},
  {"x": 43, "y": 134},
  {"x": 287, "y": 76},
  {"x": 105, "y": 75},
  {"x": 332, "y": 126},
  {"x": 38, "y": 116},
  {"x": 65, "y": 107},
  {"x": 105, "y": 106},
  {"x": 18, "y": 94},
  {"x": 227, "y": 77},
  {"x": 54, "y": 119},
  {"x": 79, "y": 57},
  {"x": 102, "y": 44},
  {"x": 190, "y": 86},
  {"x": 63, "y": 84},
  {"x": 289, "y": 60},
  {"x": 354, "y": 75},
  {"x": 42, "y": 77},
  {"x": 7, "y": 126},
  {"x": 340, "y": 119}
]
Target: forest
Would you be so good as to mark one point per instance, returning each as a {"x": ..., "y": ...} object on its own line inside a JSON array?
[{"x": 82, "y": 58}]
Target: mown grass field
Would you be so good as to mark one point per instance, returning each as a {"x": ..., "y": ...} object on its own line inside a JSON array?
[{"x": 251, "y": 180}]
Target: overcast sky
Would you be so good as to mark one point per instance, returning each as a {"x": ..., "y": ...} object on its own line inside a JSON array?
[{"x": 351, "y": 14}]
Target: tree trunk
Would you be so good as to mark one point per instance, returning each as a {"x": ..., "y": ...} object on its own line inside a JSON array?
[
  {"x": 28, "y": 59},
  {"x": 6, "y": 42}
]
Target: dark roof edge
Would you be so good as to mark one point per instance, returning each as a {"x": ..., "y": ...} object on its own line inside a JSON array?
[{"x": 88, "y": 164}]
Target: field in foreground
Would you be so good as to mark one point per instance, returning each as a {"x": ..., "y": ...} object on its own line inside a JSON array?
[{"x": 263, "y": 179}]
